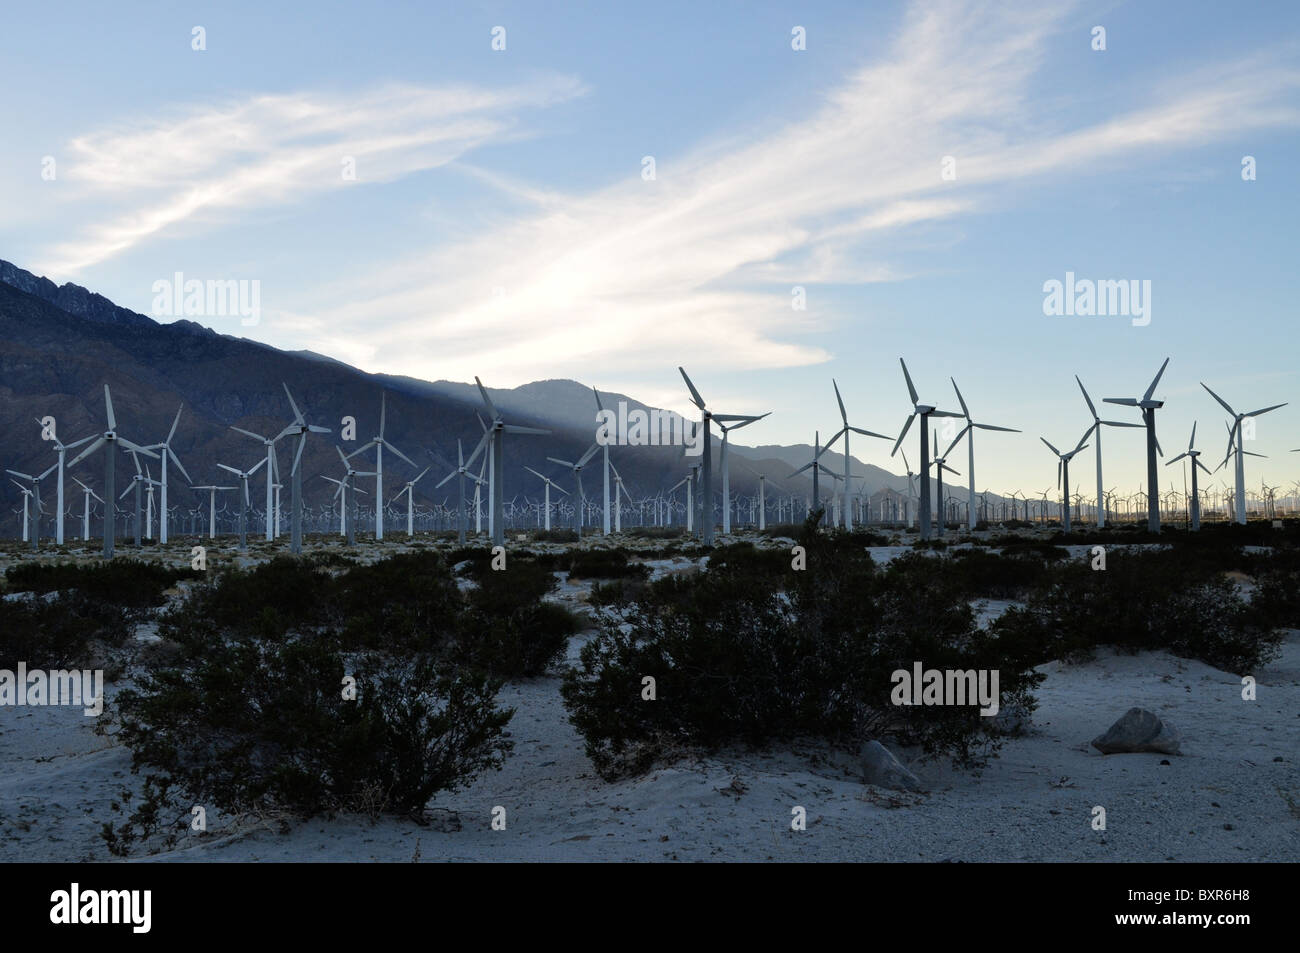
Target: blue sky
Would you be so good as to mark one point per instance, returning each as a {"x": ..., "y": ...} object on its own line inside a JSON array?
[{"x": 500, "y": 224}]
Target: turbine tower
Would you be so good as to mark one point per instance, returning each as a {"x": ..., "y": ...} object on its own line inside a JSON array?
[
  {"x": 969, "y": 433},
  {"x": 166, "y": 448},
  {"x": 604, "y": 472},
  {"x": 1149, "y": 406},
  {"x": 1235, "y": 431},
  {"x": 581, "y": 499},
  {"x": 844, "y": 432},
  {"x": 272, "y": 475},
  {"x": 726, "y": 474},
  {"x": 299, "y": 428},
  {"x": 379, "y": 443},
  {"x": 1063, "y": 469},
  {"x": 1097, "y": 424},
  {"x": 498, "y": 429},
  {"x": 925, "y": 412},
  {"x": 1194, "y": 456},
  {"x": 108, "y": 441},
  {"x": 706, "y": 416},
  {"x": 549, "y": 483}
]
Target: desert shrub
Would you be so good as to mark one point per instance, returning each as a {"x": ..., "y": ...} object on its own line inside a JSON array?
[
  {"x": 604, "y": 564},
  {"x": 801, "y": 654},
  {"x": 977, "y": 572},
  {"x": 256, "y": 725},
  {"x": 268, "y": 600},
  {"x": 58, "y": 632},
  {"x": 1142, "y": 601},
  {"x": 124, "y": 582},
  {"x": 508, "y": 628},
  {"x": 406, "y": 603}
]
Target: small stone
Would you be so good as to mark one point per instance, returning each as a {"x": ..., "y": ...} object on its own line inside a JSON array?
[
  {"x": 1136, "y": 731},
  {"x": 881, "y": 768}
]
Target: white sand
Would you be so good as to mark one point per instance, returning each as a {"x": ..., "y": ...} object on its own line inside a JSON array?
[{"x": 1224, "y": 799}]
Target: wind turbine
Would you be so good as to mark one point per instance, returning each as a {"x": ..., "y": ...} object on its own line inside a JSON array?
[
  {"x": 1097, "y": 424},
  {"x": 139, "y": 481},
  {"x": 941, "y": 464},
  {"x": 1063, "y": 469},
  {"x": 969, "y": 433},
  {"x": 925, "y": 412},
  {"x": 62, "y": 450},
  {"x": 166, "y": 448},
  {"x": 35, "y": 481},
  {"x": 618, "y": 509},
  {"x": 409, "y": 490},
  {"x": 549, "y": 483},
  {"x": 604, "y": 469},
  {"x": 462, "y": 470},
  {"x": 726, "y": 475},
  {"x": 212, "y": 506},
  {"x": 27, "y": 495},
  {"x": 762, "y": 497},
  {"x": 300, "y": 428},
  {"x": 109, "y": 441},
  {"x": 1194, "y": 456},
  {"x": 690, "y": 508},
  {"x": 844, "y": 432},
  {"x": 244, "y": 500},
  {"x": 379, "y": 443},
  {"x": 817, "y": 468},
  {"x": 706, "y": 416},
  {"x": 581, "y": 499},
  {"x": 1235, "y": 430},
  {"x": 498, "y": 429},
  {"x": 85, "y": 517},
  {"x": 272, "y": 475},
  {"x": 1149, "y": 406}
]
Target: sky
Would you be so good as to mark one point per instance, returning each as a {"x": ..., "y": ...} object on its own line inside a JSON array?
[{"x": 626, "y": 188}]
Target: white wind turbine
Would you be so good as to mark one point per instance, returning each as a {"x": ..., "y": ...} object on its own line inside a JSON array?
[
  {"x": 348, "y": 520},
  {"x": 244, "y": 500},
  {"x": 272, "y": 476},
  {"x": 1063, "y": 469},
  {"x": 925, "y": 412},
  {"x": 549, "y": 483},
  {"x": 844, "y": 432},
  {"x": 604, "y": 473},
  {"x": 762, "y": 497},
  {"x": 581, "y": 499},
  {"x": 35, "y": 481},
  {"x": 166, "y": 448},
  {"x": 379, "y": 443},
  {"x": 498, "y": 429},
  {"x": 1235, "y": 431},
  {"x": 1149, "y": 405},
  {"x": 27, "y": 495},
  {"x": 618, "y": 507},
  {"x": 969, "y": 433},
  {"x": 212, "y": 506},
  {"x": 690, "y": 509},
  {"x": 1097, "y": 424},
  {"x": 1195, "y": 457},
  {"x": 108, "y": 441},
  {"x": 138, "y": 482},
  {"x": 62, "y": 450},
  {"x": 940, "y": 464},
  {"x": 462, "y": 470},
  {"x": 706, "y": 417},
  {"x": 299, "y": 428},
  {"x": 409, "y": 490},
  {"x": 85, "y": 514},
  {"x": 726, "y": 473}
]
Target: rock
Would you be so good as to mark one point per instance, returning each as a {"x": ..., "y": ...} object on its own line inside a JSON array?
[
  {"x": 1139, "y": 730},
  {"x": 881, "y": 768}
]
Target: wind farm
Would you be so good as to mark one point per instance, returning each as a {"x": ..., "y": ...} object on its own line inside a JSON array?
[{"x": 419, "y": 450}]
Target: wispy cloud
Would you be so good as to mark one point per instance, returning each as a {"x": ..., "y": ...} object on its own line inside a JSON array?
[
  {"x": 272, "y": 150},
  {"x": 700, "y": 262}
]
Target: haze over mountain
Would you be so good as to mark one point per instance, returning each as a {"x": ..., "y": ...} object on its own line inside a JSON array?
[{"x": 59, "y": 345}]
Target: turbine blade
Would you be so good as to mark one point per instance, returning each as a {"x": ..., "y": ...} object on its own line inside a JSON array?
[
  {"x": 514, "y": 428},
  {"x": 965, "y": 412},
  {"x": 1256, "y": 413},
  {"x": 844, "y": 414},
  {"x": 1049, "y": 446},
  {"x": 108, "y": 406},
  {"x": 1126, "y": 401},
  {"x": 487, "y": 401},
  {"x": 171, "y": 433},
  {"x": 1221, "y": 401},
  {"x": 177, "y": 460},
  {"x": 88, "y": 451},
  {"x": 910, "y": 388},
  {"x": 1091, "y": 407},
  {"x": 297, "y": 414},
  {"x": 695, "y": 395},
  {"x": 906, "y": 426},
  {"x": 1152, "y": 389}
]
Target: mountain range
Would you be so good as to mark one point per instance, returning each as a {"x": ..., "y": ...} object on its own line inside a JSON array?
[{"x": 59, "y": 345}]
